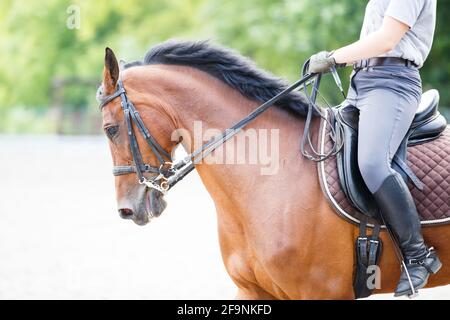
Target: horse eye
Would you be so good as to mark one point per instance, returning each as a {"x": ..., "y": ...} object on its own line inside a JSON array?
[{"x": 111, "y": 131}]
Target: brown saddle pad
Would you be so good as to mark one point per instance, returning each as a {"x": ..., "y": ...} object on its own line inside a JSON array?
[{"x": 429, "y": 161}]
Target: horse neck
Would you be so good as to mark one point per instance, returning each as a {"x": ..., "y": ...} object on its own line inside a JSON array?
[
  {"x": 204, "y": 107},
  {"x": 196, "y": 98}
]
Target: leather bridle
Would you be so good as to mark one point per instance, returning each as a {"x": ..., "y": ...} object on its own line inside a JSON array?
[
  {"x": 131, "y": 115},
  {"x": 169, "y": 173}
]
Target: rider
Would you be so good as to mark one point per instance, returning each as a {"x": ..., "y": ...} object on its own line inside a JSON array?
[{"x": 396, "y": 38}]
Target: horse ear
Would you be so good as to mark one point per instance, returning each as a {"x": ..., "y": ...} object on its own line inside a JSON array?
[{"x": 110, "y": 71}]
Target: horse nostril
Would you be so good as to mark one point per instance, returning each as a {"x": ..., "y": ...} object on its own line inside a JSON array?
[{"x": 126, "y": 213}]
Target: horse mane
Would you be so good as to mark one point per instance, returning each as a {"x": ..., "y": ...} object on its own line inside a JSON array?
[{"x": 232, "y": 68}]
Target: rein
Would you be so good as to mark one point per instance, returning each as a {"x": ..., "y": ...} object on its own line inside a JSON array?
[{"x": 169, "y": 173}]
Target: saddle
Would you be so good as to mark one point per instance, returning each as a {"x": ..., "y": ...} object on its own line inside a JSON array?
[
  {"x": 428, "y": 125},
  {"x": 425, "y": 147}
]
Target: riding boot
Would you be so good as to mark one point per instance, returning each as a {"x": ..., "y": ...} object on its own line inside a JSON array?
[{"x": 400, "y": 215}]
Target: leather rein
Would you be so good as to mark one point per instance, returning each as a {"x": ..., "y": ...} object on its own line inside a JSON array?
[{"x": 169, "y": 173}]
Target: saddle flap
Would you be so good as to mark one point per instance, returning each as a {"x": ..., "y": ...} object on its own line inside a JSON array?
[{"x": 347, "y": 162}]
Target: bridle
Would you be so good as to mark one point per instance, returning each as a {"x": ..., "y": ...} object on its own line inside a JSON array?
[
  {"x": 169, "y": 172},
  {"x": 131, "y": 115}
]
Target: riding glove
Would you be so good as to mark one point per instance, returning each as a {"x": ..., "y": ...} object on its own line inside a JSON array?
[{"x": 321, "y": 62}]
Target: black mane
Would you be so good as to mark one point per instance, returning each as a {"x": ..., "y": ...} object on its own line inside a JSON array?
[{"x": 232, "y": 68}]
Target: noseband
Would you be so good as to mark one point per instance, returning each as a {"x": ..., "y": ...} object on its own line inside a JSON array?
[{"x": 169, "y": 173}]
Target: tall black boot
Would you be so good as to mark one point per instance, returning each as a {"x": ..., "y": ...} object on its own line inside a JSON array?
[{"x": 400, "y": 214}]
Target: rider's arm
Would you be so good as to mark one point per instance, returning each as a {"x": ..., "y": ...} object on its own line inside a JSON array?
[{"x": 379, "y": 42}]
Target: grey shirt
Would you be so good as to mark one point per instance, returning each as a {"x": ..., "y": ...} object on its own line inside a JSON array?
[{"x": 419, "y": 15}]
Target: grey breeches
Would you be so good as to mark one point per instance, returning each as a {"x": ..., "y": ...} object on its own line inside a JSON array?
[{"x": 387, "y": 98}]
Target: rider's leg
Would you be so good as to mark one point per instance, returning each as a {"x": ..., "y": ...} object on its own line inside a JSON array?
[
  {"x": 384, "y": 120},
  {"x": 385, "y": 117}
]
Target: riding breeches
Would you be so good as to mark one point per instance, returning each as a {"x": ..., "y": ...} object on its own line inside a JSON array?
[{"x": 387, "y": 98}]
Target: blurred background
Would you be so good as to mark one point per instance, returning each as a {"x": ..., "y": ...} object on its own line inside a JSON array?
[
  {"x": 60, "y": 235},
  {"x": 52, "y": 51}
]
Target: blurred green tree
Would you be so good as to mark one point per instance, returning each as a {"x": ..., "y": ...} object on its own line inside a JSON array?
[{"x": 39, "y": 49}]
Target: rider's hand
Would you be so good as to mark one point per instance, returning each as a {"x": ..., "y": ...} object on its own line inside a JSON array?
[{"x": 321, "y": 62}]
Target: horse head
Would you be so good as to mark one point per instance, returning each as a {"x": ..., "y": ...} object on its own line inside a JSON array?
[{"x": 138, "y": 130}]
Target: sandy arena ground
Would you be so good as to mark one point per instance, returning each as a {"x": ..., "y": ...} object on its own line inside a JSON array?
[{"x": 61, "y": 236}]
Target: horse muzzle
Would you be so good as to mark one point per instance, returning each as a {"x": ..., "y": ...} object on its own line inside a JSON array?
[{"x": 151, "y": 205}]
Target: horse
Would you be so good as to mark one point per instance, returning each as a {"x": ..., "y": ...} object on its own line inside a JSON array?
[{"x": 278, "y": 235}]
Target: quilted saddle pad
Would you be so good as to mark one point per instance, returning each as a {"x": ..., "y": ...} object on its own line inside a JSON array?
[{"x": 429, "y": 161}]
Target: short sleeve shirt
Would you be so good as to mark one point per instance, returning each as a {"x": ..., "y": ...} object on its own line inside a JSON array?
[{"x": 419, "y": 15}]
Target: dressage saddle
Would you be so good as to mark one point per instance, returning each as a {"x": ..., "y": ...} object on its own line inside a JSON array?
[{"x": 428, "y": 125}]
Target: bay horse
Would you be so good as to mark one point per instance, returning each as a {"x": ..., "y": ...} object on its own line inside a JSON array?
[{"x": 279, "y": 237}]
